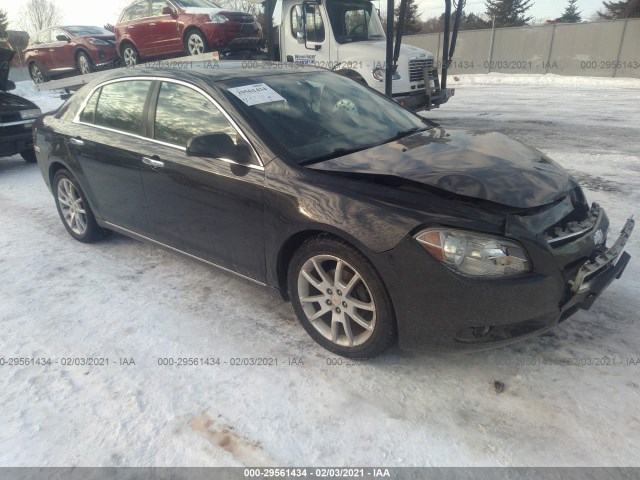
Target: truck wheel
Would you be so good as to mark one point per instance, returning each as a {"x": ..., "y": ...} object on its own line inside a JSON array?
[{"x": 195, "y": 43}]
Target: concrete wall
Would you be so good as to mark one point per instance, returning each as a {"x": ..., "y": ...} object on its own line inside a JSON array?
[{"x": 605, "y": 49}]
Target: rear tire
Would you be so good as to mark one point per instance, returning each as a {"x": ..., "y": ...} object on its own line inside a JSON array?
[
  {"x": 74, "y": 210},
  {"x": 129, "y": 54},
  {"x": 340, "y": 299},
  {"x": 29, "y": 156}
]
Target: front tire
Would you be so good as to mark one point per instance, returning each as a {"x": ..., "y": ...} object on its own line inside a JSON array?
[
  {"x": 85, "y": 65},
  {"x": 37, "y": 74},
  {"x": 73, "y": 208},
  {"x": 340, "y": 299},
  {"x": 195, "y": 43}
]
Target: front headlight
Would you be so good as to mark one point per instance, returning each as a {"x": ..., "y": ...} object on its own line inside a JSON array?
[
  {"x": 380, "y": 73},
  {"x": 98, "y": 41},
  {"x": 33, "y": 113},
  {"x": 475, "y": 254},
  {"x": 218, "y": 18}
]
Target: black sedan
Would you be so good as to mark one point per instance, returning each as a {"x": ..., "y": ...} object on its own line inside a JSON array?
[
  {"x": 17, "y": 114},
  {"x": 376, "y": 223}
]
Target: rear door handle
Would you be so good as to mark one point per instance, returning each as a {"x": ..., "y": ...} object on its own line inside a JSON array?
[
  {"x": 76, "y": 141},
  {"x": 153, "y": 24},
  {"x": 152, "y": 162}
]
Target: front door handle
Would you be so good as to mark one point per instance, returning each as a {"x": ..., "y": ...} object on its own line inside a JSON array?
[
  {"x": 152, "y": 162},
  {"x": 76, "y": 141}
]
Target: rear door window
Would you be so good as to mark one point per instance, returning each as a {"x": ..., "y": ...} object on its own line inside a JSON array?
[{"x": 121, "y": 106}]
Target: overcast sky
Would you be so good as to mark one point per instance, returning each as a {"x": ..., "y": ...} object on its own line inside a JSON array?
[{"x": 99, "y": 12}]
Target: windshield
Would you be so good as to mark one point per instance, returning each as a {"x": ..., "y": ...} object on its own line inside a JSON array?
[
  {"x": 195, "y": 4},
  {"x": 354, "y": 21},
  {"x": 87, "y": 31},
  {"x": 311, "y": 116}
]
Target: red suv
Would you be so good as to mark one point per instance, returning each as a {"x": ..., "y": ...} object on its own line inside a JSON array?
[
  {"x": 60, "y": 50},
  {"x": 153, "y": 28}
]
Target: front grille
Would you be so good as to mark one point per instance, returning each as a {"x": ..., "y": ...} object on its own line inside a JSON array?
[
  {"x": 578, "y": 222},
  {"x": 240, "y": 18},
  {"x": 416, "y": 69}
]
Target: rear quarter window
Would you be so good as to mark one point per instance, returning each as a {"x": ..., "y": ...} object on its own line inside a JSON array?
[{"x": 89, "y": 112}]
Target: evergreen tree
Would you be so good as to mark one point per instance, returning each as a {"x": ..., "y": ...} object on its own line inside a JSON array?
[
  {"x": 509, "y": 13},
  {"x": 571, "y": 13},
  {"x": 411, "y": 23},
  {"x": 4, "y": 23},
  {"x": 624, "y": 9}
]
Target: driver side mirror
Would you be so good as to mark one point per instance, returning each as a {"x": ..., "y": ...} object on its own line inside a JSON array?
[
  {"x": 168, "y": 11},
  {"x": 62, "y": 38},
  {"x": 300, "y": 37},
  {"x": 9, "y": 85},
  {"x": 218, "y": 145}
]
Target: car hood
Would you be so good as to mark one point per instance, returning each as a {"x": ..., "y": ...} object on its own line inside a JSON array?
[
  {"x": 376, "y": 49},
  {"x": 11, "y": 102},
  {"x": 481, "y": 166},
  {"x": 111, "y": 38},
  {"x": 203, "y": 10},
  {"x": 5, "y": 65}
]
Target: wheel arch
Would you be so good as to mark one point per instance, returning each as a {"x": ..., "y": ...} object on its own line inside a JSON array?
[
  {"x": 194, "y": 28},
  {"x": 349, "y": 73},
  {"x": 296, "y": 240},
  {"x": 53, "y": 169},
  {"x": 123, "y": 45},
  {"x": 80, "y": 50}
]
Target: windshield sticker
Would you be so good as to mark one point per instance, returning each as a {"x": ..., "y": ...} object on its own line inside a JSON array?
[{"x": 256, "y": 94}]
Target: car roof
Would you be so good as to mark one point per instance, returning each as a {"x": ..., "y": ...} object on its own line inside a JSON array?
[{"x": 208, "y": 71}]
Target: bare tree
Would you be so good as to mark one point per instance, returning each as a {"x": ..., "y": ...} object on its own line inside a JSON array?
[
  {"x": 4, "y": 23},
  {"x": 241, "y": 6},
  {"x": 36, "y": 15}
]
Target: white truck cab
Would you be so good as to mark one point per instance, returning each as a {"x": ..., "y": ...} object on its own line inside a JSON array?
[{"x": 347, "y": 36}]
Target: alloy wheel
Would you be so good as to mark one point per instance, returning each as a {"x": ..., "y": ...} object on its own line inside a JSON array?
[
  {"x": 72, "y": 207},
  {"x": 83, "y": 63},
  {"x": 36, "y": 74},
  {"x": 336, "y": 300},
  {"x": 195, "y": 44},
  {"x": 130, "y": 57}
]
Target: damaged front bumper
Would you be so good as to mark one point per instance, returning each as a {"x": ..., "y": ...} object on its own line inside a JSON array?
[
  {"x": 597, "y": 274},
  {"x": 442, "y": 310}
]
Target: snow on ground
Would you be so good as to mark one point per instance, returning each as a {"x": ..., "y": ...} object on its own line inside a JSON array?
[{"x": 124, "y": 299}]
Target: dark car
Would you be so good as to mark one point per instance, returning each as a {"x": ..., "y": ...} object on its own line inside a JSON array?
[
  {"x": 58, "y": 51},
  {"x": 17, "y": 114},
  {"x": 373, "y": 221},
  {"x": 155, "y": 28}
]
